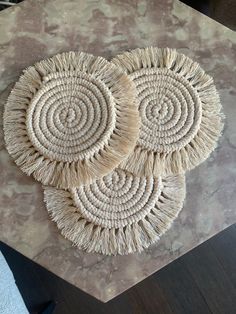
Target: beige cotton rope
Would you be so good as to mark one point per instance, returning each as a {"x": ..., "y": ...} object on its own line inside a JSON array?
[
  {"x": 119, "y": 214},
  {"x": 71, "y": 119},
  {"x": 179, "y": 109}
]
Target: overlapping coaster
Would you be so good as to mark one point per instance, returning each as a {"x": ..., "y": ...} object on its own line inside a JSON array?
[
  {"x": 179, "y": 109},
  {"x": 119, "y": 214},
  {"x": 71, "y": 119}
]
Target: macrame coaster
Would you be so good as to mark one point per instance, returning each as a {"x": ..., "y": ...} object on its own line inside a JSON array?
[
  {"x": 118, "y": 214},
  {"x": 179, "y": 109},
  {"x": 71, "y": 119}
]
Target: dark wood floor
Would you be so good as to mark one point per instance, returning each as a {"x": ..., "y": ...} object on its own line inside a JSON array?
[
  {"x": 202, "y": 281},
  {"x": 223, "y": 11}
]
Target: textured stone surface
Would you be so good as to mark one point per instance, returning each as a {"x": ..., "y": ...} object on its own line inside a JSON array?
[{"x": 34, "y": 30}]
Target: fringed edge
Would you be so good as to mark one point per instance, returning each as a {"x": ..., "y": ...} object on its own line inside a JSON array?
[
  {"x": 75, "y": 173},
  {"x": 145, "y": 162},
  {"x": 132, "y": 238}
]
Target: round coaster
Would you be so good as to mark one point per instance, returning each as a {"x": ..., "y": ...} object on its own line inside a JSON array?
[
  {"x": 71, "y": 119},
  {"x": 179, "y": 109},
  {"x": 119, "y": 214}
]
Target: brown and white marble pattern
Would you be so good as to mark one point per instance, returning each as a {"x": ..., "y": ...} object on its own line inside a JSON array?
[{"x": 34, "y": 30}]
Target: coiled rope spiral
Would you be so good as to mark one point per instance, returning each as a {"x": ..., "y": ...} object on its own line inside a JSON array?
[
  {"x": 179, "y": 109},
  {"x": 119, "y": 214},
  {"x": 71, "y": 119}
]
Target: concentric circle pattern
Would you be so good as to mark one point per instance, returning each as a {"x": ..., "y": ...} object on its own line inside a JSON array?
[
  {"x": 118, "y": 200},
  {"x": 119, "y": 214},
  {"x": 71, "y": 119},
  {"x": 179, "y": 107},
  {"x": 169, "y": 107}
]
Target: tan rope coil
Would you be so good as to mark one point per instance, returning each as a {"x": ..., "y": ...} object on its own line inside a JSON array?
[
  {"x": 71, "y": 119},
  {"x": 119, "y": 214},
  {"x": 179, "y": 109}
]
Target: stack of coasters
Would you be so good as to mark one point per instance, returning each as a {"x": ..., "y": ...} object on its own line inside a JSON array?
[{"x": 111, "y": 141}]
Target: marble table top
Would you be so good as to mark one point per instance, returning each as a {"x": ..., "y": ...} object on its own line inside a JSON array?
[{"x": 34, "y": 30}]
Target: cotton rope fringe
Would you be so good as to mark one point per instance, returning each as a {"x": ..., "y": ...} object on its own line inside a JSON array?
[
  {"x": 180, "y": 111},
  {"x": 119, "y": 214},
  {"x": 71, "y": 119}
]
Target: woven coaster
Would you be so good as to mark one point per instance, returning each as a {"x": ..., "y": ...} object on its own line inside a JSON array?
[
  {"x": 119, "y": 214},
  {"x": 71, "y": 119},
  {"x": 179, "y": 109}
]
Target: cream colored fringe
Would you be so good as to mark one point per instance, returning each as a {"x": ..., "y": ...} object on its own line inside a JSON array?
[
  {"x": 146, "y": 162},
  {"x": 70, "y": 174},
  {"x": 129, "y": 239}
]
